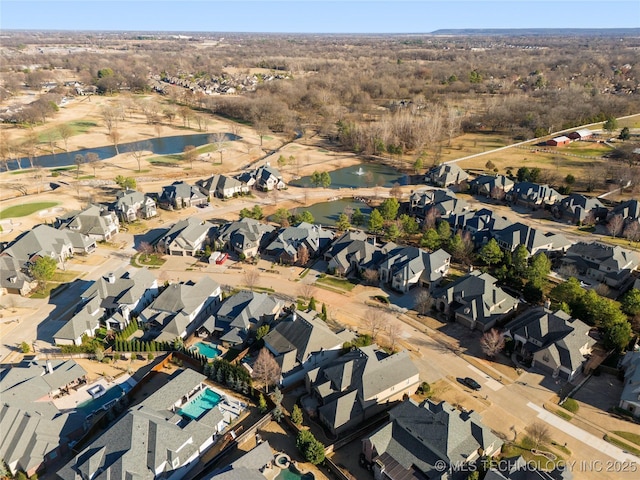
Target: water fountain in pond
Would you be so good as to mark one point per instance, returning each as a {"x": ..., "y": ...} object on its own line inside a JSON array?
[{"x": 360, "y": 171}]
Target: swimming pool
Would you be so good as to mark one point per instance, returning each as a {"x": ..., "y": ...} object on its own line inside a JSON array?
[
  {"x": 206, "y": 349},
  {"x": 292, "y": 473},
  {"x": 94, "y": 404},
  {"x": 200, "y": 404}
]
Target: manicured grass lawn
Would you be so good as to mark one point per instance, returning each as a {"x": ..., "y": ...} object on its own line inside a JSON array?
[
  {"x": 632, "y": 437},
  {"x": 340, "y": 283},
  {"x": 524, "y": 449},
  {"x": 563, "y": 415},
  {"x": 77, "y": 127},
  {"x": 589, "y": 149},
  {"x": 62, "y": 169},
  {"x": 622, "y": 445},
  {"x": 62, "y": 276},
  {"x": 173, "y": 159},
  {"x": 21, "y": 172},
  {"x": 152, "y": 260},
  {"x": 25, "y": 209}
]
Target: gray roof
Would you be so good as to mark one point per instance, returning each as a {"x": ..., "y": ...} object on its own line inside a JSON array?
[
  {"x": 31, "y": 425},
  {"x": 447, "y": 174},
  {"x": 631, "y": 365},
  {"x": 521, "y": 234},
  {"x": 185, "y": 234},
  {"x": 419, "y": 435},
  {"x": 78, "y": 324},
  {"x": 478, "y": 297},
  {"x": 580, "y": 206},
  {"x": 410, "y": 261},
  {"x": 534, "y": 193},
  {"x": 630, "y": 210},
  {"x": 608, "y": 258},
  {"x": 354, "y": 247},
  {"x": 244, "y": 310},
  {"x": 289, "y": 239},
  {"x": 94, "y": 220},
  {"x": 248, "y": 466},
  {"x": 304, "y": 333},
  {"x": 368, "y": 371},
  {"x": 45, "y": 241},
  {"x": 218, "y": 183},
  {"x": 486, "y": 183},
  {"x": 245, "y": 233},
  {"x": 13, "y": 274},
  {"x": 517, "y": 468},
  {"x": 181, "y": 190},
  {"x": 443, "y": 201},
  {"x": 147, "y": 436},
  {"x": 126, "y": 289},
  {"x": 556, "y": 332}
]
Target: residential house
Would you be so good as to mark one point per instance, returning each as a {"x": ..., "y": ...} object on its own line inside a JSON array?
[
  {"x": 580, "y": 209},
  {"x": 244, "y": 237},
  {"x": 517, "y": 468},
  {"x": 14, "y": 277},
  {"x": 285, "y": 247},
  {"x": 360, "y": 384},
  {"x": 559, "y": 141},
  {"x": 482, "y": 225},
  {"x": 131, "y": 205},
  {"x": 443, "y": 203},
  {"x": 156, "y": 438},
  {"x": 494, "y": 186},
  {"x": 532, "y": 195},
  {"x": 95, "y": 221},
  {"x": 268, "y": 178},
  {"x": 607, "y": 264},
  {"x": 407, "y": 267},
  {"x": 446, "y": 174},
  {"x": 534, "y": 240},
  {"x": 188, "y": 237},
  {"x": 112, "y": 299},
  {"x": 46, "y": 241},
  {"x": 553, "y": 341},
  {"x": 181, "y": 308},
  {"x": 301, "y": 342},
  {"x": 250, "y": 466},
  {"x": 630, "y": 397},
  {"x": 222, "y": 186},
  {"x": 475, "y": 301},
  {"x": 582, "y": 134},
  {"x": 630, "y": 211},
  {"x": 241, "y": 314},
  {"x": 182, "y": 195},
  {"x": 35, "y": 432},
  {"x": 428, "y": 440},
  {"x": 353, "y": 251}
]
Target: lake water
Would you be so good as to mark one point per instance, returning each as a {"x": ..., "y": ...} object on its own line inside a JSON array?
[
  {"x": 364, "y": 175},
  {"x": 159, "y": 146},
  {"x": 327, "y": 213}
]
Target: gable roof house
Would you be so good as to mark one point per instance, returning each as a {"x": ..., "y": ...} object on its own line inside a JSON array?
[
  {"x": 475, "y": 301},
  {"x": 222, "y": 186},
  {"x": 630, "y": 211},
  {"x": 579, "y": 208},
  {"x": 244, "y": 237},
  {"x": 181, "y": 195},
  {"x": 46, "y": 241},
  {"x": 482, "y": 224},
  {"x": 241, "y": 314},
  {"x": 154, "y": 438},
  {"x": 559, "y": 141},
  {"x": 353, "y": 252},
  {"x": 250, "y": 466},
  {"x": 427, "y": 440},
  {"x": 112, "y": 299},
  {"x": 630, "y": 397},
  {"x": 554, "y": 341},
  {"x": 446, "y": 174},
  {"x": 360, "y": 384},
  {"x": 611, "y": 265},
  {"x": 268, "y": 178},
  {"x": 131, "y": 205},
  {"x": 494, "y": 186},
  {"x": 534, "y": 240},
  {"x": 15, "y": 277},
  {"x": 35, "y": 432},
  {"x": 187, "y": 237},
  {"x": 532, "y": 195},
  {"x": 444, "y": 202},
  {"x": 302, "y": 341},
  {"x": 288, "y": 240},
  {"x": 180, "y": 309},
  {"x": 407, "y": 267},
  {"x": 96, "y": 222}
]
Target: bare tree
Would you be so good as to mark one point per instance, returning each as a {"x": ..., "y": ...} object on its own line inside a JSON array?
[
  {"x": 615, "y": 225},
  {"x": 251, "y": 277},
  {"x": 92, "y": 159},
  {"x": 306, "y": 290},
  {"x": 303, "y": 255},
  {"x": 632, "y": 232},
  {"x": 603, "y": 290},
  {"x": 371, "y": 276},
  {"x": 538, "y": 433},
  {"x": 39, "y": 174},
  {"x": 497, "y": 193},
  {"x": 30, "y": 146},
  {"x": 110, "y": 116},
  {"x": 78, "y": 160},
  {"x": 219, "y": 141},
  {"x": 189, "y": 154},
  {"x": 146, "y": 249},
  {"x": 114, "y": 135},
  {"x": 492, "y": 342},
  {"x": 137, "y": 151},
  {"x": 396, "y": 191},
  {"x": 375, "y": 320},
  {"x": 266, "y": 370},
  {"x": 423, "y": 303},
  {"x": 567, "y": 271},
  {"x": 430, "y": 219},
  {"x": 394, "y": 333}
]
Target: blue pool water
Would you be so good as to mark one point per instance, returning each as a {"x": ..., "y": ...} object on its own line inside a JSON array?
[
  {"x": 92, "y": 405},
  {"x": 206, "y": 349},
  {"x": 201, "y": 404},
  {"x": 292, "y": 473}
]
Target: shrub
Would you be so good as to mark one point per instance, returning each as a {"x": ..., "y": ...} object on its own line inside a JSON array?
[
  {"x": 296, "y": 415},
  {"x": 424, "y": 389},
  {"x": 106, "y": 360},
  {"x": 571, "y": 405},
  {"x": 24, "y": 347},
  {"x": 310, "y": 448}
]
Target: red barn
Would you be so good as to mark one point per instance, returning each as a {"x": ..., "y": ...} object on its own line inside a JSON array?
[
  {"x": 559, "y": 141},
  {"x": 581, "y": 134}
]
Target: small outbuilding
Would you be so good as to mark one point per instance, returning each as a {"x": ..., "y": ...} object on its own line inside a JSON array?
[
  {"x": 581, "y": 134},
  {"x": 559, "y": 141}
]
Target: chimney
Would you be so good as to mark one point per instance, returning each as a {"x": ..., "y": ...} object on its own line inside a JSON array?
[
  {"x": 49, "y": 367},
  {"x": 294, "y": 317},
  {"x": 111, "y": 278}
]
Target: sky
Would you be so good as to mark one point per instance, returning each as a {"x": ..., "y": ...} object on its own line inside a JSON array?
[{"x": 312, "y": 16}]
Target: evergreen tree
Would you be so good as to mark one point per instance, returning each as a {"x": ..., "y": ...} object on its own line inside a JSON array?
[
  {"x": 376, "y": 222},
  {"x": 262, "y": 404},
  {"x": 324, "y": 312},
  {"x": 490, "y": 253},
  {"x": 312, "y": 304},
  {"x": 296, "y": 415}
]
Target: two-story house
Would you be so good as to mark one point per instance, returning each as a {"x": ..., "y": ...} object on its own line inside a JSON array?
[
  {"x": 406, "y": 267},
  {"x": 606, "y": 264},
  {"x": 188, "y": 237},
  {"x": 244, "y": 237},
  {"x": 131, "y": 205},
  {"x": 222, "y": 186},
  {"x": 285, "y": 246},
  {"x": 446, "y": 174},
  {"x": 96, "y": 221}
]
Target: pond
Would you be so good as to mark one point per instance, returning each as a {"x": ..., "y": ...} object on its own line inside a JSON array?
[
  {"x": 327, "y": 213},
  {"x": 159, "y": 146},
  {"x": 363, "y": 175}
]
